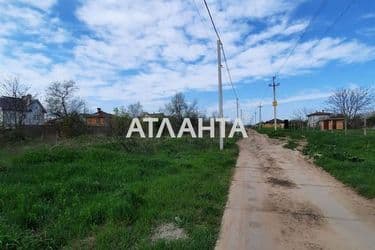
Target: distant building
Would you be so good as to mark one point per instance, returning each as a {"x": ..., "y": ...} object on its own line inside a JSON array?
[
  {"x": 21, "y": 111},
  {"x": 270, "y": 123},
  {"x": 332, "y": 123},
  {"x": 313, "y": 119},
  {"x": 98, "y": 119}
]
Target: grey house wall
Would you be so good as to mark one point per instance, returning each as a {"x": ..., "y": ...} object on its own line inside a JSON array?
[
  {"x": 34, "y": 116},
  {"x": 10, "y": 118},
  {"x": 313, "y": 121}
]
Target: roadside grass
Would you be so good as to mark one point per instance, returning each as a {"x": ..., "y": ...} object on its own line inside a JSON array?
[
  {"x": 349, "y": 158},
  {"x": 107, "y": 193},
  {"x": 291, "y": 144}
]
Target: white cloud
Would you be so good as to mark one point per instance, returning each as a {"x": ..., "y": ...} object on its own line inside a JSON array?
[
  {"x": 368, "y": 16},
  {"x": 165, "y": 46},
  {"x": 44, "y": 5}
]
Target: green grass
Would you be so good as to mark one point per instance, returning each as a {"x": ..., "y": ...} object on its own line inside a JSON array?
[
  {"x": 349, "y": 158},
  {"x": 291, "y": 144},
  {"x": 112, "y": 194}
]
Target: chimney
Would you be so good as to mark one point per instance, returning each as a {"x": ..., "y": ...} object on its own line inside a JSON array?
[
  {"x": 99, "y": 110},
  {"x": 27, "y": 99}
]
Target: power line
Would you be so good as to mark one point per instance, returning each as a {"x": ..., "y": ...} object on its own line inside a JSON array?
[
  {"x": 228, "y": 72},
  {"x": 212, "y": 20},
  {"x": 222, "y": 48},
  {"x": 203, "y": 20},
  {"x": 337, "y": 19},
  {"x": 303, "y": 33}
]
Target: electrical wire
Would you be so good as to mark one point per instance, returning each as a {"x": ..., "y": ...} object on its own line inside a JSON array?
[
  {"x": 302, "y": 35},
  {"x": 337, "y": 19},
  {"x": 212, "y": 20},
  {"x": 222, "y": 49}
]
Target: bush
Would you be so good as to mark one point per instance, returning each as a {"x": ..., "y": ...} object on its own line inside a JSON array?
[{"x": 72, "y": 126}]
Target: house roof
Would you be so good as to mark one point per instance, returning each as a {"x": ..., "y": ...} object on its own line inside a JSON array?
[
  {"x": 160, "y": 114},
  {"x": 335, "y": 117},
  {"x": 38, "y": 102},
  {"x": 318, "y": 113},
  {"x": 277, "y": 121},
  {"x": 98, "y": 114},
  {"x": 17, "y": 104},
  {"x": 12, "y": 103}
]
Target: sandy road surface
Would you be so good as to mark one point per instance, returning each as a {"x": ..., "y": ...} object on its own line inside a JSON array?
[{"x": 278, "y": 200}]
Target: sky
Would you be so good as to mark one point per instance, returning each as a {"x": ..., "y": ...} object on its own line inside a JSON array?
[{"x": 122, "y": 52}]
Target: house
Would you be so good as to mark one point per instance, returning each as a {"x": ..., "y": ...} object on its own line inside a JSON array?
[
  {"x": 98, "y": 119},
  {"x": 270, "y": 123},
  {"x": 334, "y": 122},
  {"x": 159, "y": 115},
  {"x": 21, "y": 111},
  {"x": 313, "y": 119}
]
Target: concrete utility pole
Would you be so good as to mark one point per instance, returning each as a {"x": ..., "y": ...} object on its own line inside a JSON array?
[
  {"x": 219, "y": 66},
  {"x": 274, "y": 103},
  {"x": 260, "y": 115},
  {"x": 255, "y": 118},
  {"x": 237, "y": 105}
]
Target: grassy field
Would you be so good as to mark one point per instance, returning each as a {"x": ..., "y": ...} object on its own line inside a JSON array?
[
  {"x": 350, "y": 158},
  {"x": 111, "y": 194}
]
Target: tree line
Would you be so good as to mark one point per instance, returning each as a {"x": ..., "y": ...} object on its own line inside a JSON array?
[{"x": 63, "y": 103}]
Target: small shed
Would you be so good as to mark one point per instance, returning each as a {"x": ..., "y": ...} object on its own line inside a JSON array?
[
  {"x": 332, "y": 123},
  {"x": 98, "y": 119}
]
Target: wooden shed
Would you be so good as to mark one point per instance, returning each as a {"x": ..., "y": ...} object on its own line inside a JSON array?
[
  {"x": 98, "y": 119},
  {"x": 332, "y": 123}
]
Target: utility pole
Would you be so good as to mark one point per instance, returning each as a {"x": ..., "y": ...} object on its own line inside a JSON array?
[
  {"x": 260, "y": 115},
  {"x": 274, "y": 103},
  {"x": 255, "y": 118},
  {"x": 237, "y": 105},
  {"x": 219, "y": 66}
]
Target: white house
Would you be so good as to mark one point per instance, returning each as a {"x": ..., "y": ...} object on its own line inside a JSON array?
[
  {"x": 21, "y": 111},
  {"x": 314, "y": 118}
]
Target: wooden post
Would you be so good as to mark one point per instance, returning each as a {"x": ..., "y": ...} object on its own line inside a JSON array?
[{"x": 365, "y": 125}]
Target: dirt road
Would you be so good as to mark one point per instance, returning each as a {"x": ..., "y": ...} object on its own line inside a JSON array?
[{"x": 278, "y": 200}]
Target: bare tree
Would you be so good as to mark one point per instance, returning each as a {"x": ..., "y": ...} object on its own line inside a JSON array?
[
  {"x": 12, "y": 87},
  {"x": 350, "y": 102},
  {"x": 120, "y": 111},
  {"x": 135, "y": 109},
  {"x": 192, "y": 110},
  {"x": 301, "y": 114},
  {"x": 177, "y": 106},
  {"x": 61, "y": 99}
]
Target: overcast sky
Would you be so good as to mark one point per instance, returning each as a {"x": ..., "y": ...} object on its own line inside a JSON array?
[{"x": 121, "y": 52}]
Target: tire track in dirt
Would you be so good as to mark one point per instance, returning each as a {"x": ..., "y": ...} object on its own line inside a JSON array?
[{"x": 279, "y": 200}]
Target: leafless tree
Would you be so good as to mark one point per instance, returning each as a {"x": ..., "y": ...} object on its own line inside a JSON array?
[
  {"x": 135, "y": 109},
  {"x": 301, "y": 114},
  {"x": 12, "y": 87},
  {"x": 61, "y": 99},
  {"x": 120, "y": 111},
  {"x": 177, "y": 106},
  {"x": 351, "y": 102}
]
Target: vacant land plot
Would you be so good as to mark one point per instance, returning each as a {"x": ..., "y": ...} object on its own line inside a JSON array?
[
  {"x": 110, "y": 193},
  {"x": 350, "y": 158}
]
